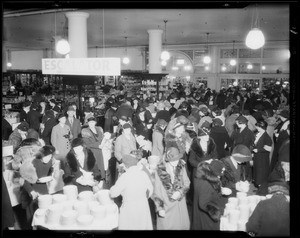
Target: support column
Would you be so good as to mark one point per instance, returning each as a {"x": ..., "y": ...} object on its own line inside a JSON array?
[
  {"x": 155, "y": 41},
  {"x": 77, "y": 34}
]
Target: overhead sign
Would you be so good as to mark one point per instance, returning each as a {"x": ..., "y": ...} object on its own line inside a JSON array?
[{"x": 82, "y": 66}]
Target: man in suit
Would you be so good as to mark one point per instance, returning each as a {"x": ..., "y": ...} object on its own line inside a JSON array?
[{"x": 73, "y": 123}]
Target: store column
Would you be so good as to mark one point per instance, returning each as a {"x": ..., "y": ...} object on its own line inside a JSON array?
[
  {"x": 77, "y": 34},
  {"x": 155, "y": 41}
]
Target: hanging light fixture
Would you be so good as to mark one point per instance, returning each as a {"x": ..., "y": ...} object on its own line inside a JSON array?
[
  {"x": 126, "y": 59},
  {"x": 164, "y": 63},
  {"x": 62, "y": 46},
  {"x": 9, "y": 64},
  {"x": 207, "y": 58},
  {"x": 233, "y": 61},
  {"x": 255, "y": 38},
  {"x": 165, "y": 55}
]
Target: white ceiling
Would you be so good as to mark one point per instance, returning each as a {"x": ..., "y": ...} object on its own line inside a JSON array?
[{"x": 184, "y": 26}]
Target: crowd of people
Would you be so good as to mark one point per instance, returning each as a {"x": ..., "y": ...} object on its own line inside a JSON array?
[{"x": 165, "y": 159}]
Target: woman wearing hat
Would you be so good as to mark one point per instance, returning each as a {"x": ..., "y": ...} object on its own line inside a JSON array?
[
  {"x": 125, "y": 143},
  {"x": 208, "y": 201},
  {"x": 221, "y": 138},
  {"x": 49, "y": 121},
  {"x": 271, "y": 217},
  {"x": 92, "y": 137},
  {"x": 281, "y": 133},
  {"x": 202, "y": 148},
  {"x": 32, "y": 172},
  {"x": 135, "y": 187},
  {"x": 234, "y": 167},
  {"x": 140, "y": 123},
  {"x": 171, "y": 184},
  {"x": 262, "y": 148},
  {"x": 60, "y": 137},
  {"x": 18, "y": 135},
  {"x": 158, "y": 147},
  {"x": 78, "y": 161}
]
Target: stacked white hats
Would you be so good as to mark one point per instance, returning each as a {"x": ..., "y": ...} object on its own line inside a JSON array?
[
  {"x": 44, "y": 201},
  {"x": 103, "y": 196},
  {"x": 71, "y": 192}
]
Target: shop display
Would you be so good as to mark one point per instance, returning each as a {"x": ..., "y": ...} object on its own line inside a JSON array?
[
  {"x": 238, "y": 210},
  {"x": 87, "y": 211}
]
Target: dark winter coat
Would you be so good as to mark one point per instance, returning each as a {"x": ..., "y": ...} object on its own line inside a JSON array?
[
  {"x": 261, "y": 159},
  {"x": 46, "y": 134},
  {"x": 72, "y": 169},
  {"x": 111, "y": 120},
  {"x": 208, "y": 206},
  {"x": 23, "y": 116},
  {"x": 6, "y": 129},
  {"x": 283, "y": 135},
  {"x": 75, "y": 127},
  {"x": 231, "y": 175},
  {"x": 34, "y": 119},
  {"x": 246, "y": 137},
  {"x": 8, "y": 219},
  {"x": 42, "y": 170},
  {"x": 92, "y": 141},
  {"x": 220, "y": 136},
  {"x": 271, "y": 217},
  {"x": 197, "y": 155}
]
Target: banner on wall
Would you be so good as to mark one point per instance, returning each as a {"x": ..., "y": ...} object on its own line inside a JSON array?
[{"x": 82, "y": 66}]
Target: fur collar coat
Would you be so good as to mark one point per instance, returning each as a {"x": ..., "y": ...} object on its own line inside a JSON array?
[
  {"x": 197, "y": 154},
  {"x": 178, "y": 183}
]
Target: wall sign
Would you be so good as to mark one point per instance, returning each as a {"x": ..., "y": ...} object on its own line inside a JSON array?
[{"x": 82, "y": 66}]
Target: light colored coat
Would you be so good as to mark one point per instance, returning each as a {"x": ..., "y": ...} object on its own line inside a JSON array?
[
  {"x": 61, "y": 143},
  {"x": 176, "y": 213},
  {"x": 124, "y": 146},
  {"x": 135, "y": 211},
  {"x": 158, "y": 146}
]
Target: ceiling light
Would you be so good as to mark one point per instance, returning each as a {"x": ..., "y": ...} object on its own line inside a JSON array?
[
  {"x": 207, "y": 58},
  {"x": 223, "y": 68},
  {"x": 187, "y": 67},
  {"x": 249, "y": 66},
  {"x": 163, "y": 63},
  {"x": 62, "y": 47},
  {"x": 180, "y": 61},
  {"x": 255, "y": 38},
  {"x": 9, "y": 64},
  {"x": 165, "y": 55},
  {"x": 232, "y": 62},
  {"x": 263, "y": 67},
  {"x": 206, "y": 67},
  {"x": 174, "y": 68},
  {"x": 125, "y": 60}
]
